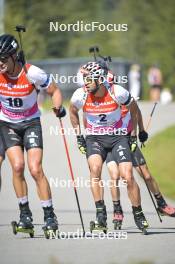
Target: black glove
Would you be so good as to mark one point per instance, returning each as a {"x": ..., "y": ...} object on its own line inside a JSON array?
[
  {"x": 133, "y": 143},
  {"x": 143, "y": 136},
  {"x": 81, "y": 144},
  {"x": 59, "y": 112}
]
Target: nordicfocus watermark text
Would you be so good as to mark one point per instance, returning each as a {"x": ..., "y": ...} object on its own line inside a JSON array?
[
  {"x": 80, "y": 26},
  {"x": 68, "y": 79},
  {"x": 56, "y": 130},
  {"x": 88, "y": 235},
  {"x": 81, "y": 182}
]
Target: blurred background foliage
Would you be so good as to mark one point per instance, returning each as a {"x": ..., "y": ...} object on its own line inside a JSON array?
[{"x": 150, "y": 38}]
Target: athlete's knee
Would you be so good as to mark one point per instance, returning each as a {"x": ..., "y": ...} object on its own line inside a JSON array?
[
  {"x": 113, "y": 171},
  {"x": 36, "y": 171},
  {"x": 126, "y": 172},
  {"x": 95, "y": 169},
  {"x": 114, "y": 176},
  {"x": 18, "y": 167},
  {"x": 131, "y": 181},
  {"x": 129, "y": 178},
  {"x": 148, "y": 177}
]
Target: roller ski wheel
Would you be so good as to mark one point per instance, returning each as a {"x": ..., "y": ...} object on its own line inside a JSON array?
[
  {"x": 49, "y": 233},
  {"x": 144, "y": 231},
  {"x": 21, "y": 229},
  {"x": 166, "y": 210},
  {"x": 117, "y": 225},
  {"x": 14, "y": 227},
  {"x": 94, "y": 226}
]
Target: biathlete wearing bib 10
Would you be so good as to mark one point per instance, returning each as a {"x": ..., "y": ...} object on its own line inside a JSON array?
[
  {"x": 20, "y": 128},
  {"x": 18, "y": 95}
]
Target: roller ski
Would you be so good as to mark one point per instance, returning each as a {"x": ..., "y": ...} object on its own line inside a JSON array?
[
  {"x": 51, "y": 224},
  {"x": 118, "y": 217},
  {"x": 141, "y": 221},
  {"x": 100, "y": 224},
  {"x": 25, "y": 223}
]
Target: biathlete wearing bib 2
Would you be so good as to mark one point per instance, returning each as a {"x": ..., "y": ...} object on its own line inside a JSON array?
[{"x": 101, "y": 103}]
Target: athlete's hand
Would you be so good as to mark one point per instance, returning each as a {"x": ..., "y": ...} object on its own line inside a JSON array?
[
  {"x": 81, "y": 144},
  {"x": 133, "y": 143},
  {"x": 59, "y": 112},
  {"x": 143, "y": 136}
]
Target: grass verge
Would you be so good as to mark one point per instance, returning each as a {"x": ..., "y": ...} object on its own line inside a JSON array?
[{"x": 160, "y": 156}]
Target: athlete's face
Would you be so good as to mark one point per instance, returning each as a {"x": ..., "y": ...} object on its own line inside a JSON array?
[
  {"x": 7, "y": 64},
  {"x": 4, "y": 62},
  {"x": 90, "y": 84}
]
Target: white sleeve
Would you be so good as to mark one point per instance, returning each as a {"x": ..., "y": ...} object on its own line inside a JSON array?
[
  {"x": 77, "y": 98},
  {"x": 39, "y": 77},
  {"x": 122, "y": 96}
]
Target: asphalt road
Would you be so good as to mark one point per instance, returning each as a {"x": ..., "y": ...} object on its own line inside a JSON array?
[{"x": 128, "y": 246}]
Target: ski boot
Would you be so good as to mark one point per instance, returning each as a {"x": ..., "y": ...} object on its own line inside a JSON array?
[
  {"x": 163, "y": 207},
  {"x": 118, "y": 217},
  {"x": 141, "y": 221},
  {"x": 51, "y": 223},
  {"x": 25, "y": 223},
  {"x": 166, "y": 210},
  {"x": 101, "y": 217}
]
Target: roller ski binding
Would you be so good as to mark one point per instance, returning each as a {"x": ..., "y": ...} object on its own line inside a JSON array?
[
  {"x": 51, "y": 223},
  {"x": 25, "y": 223},
  {"x": 118, "y": 217},
  {"x": 141, "y": 221},
  {"x": 100, "y": 224}
]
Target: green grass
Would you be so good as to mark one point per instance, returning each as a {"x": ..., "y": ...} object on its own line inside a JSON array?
[{"x": 160, "y": 155}]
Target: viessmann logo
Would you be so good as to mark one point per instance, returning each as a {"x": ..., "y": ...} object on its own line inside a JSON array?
[
  {"x": 10, "y": 85},
  {"x": 100, "y": 103}
]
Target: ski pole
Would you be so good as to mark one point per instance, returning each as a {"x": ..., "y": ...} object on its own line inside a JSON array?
[
  {"x": 96, "y": 53},
  {"x": 150, "y": 117},
  {"x": 94, "y": 50},
  {"x": 148, "y": 124},
  {"x": 72, "y": 175},
  {"x": 19, "y": 29},
  {"x": 148, "y": 189},
  {"x": 149, "y": 120}
]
